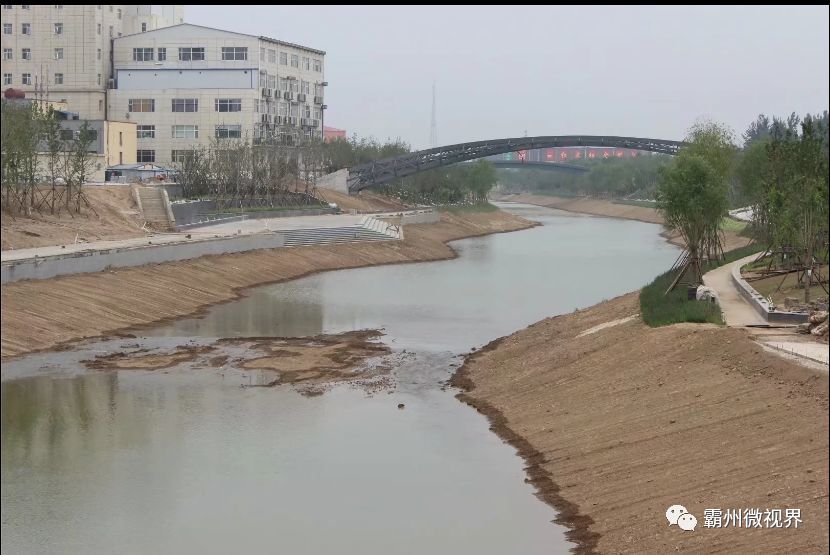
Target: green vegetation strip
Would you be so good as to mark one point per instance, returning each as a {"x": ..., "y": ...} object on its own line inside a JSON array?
[{"x": 658, "y": 309}]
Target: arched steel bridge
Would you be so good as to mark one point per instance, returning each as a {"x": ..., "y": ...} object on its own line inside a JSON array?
[{"x": 391, "y": 169}]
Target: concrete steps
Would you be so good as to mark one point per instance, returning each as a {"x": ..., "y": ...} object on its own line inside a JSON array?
[
  {"x": 154, "y": 208},
  {"x": 330, "y": 235}
]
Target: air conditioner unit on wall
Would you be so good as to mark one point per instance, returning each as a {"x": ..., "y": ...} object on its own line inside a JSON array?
[
  {"x": 280, "y": 120},
  {"x": 288, "y": 95},
  {"x": 318, "y": 99},
  {"x": 301, "y": 97},
  {"x": 266, "y": 92}
]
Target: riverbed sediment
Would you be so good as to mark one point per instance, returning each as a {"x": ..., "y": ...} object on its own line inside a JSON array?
[
  {"x": 48, "y": 314},
  {"x": 618, "y": 424}
]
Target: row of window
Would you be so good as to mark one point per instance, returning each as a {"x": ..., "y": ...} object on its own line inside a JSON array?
[
  {"x": 26, "y": 79},
  {"x": 28, "y": 7},
  {"x": 26, "y": 28},
  {"x": 184, "y": 105},
  {"x": 286, "y": 109},
  {"x": 270, "y": 55},
  {"x": 190, "y": 131},
  {"x": 26, "y": 54},
  {"x": 188, "y": 54},
  {"x": 288, "y": 85}
]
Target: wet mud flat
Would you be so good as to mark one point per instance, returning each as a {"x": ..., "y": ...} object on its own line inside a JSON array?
[{"x": 312, "y": 364}]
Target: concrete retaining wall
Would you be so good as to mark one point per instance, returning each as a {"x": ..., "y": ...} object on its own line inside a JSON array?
[
  {"x": 190, "y": 214},
  {"x": 337, "y": 181},
  {"x": 424, "y": 217},
  {"x": 761, "y": 304},
  {"x": 95, "y": 261}
]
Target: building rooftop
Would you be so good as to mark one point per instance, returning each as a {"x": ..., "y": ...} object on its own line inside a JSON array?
[{"x": 275, "y": 41}]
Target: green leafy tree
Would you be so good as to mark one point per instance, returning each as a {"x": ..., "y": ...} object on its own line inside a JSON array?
[{"x": 692, "y": 194}]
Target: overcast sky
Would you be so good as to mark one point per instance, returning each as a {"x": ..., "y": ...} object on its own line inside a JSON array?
[{"x": 503, "y": 71}]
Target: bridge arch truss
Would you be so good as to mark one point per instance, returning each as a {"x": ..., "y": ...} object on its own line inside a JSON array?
[{"x": 388, "y": 170}]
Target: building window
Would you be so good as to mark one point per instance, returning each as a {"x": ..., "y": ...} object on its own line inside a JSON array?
[
  {"x": 261, "y": 54},
  {"x": 7, "y": 54},
  {"x": 272, "y": 55},
  {"x": 162, "y": 55},
  {"x": 185, "y": 131},
  {"x": 228, "y": 131},
  {"x": 141, "y": 105},
  {"x": 67, "y": 134},
  {"x": 8, "y": 7},
  {"x": 27, "y": 79},
  {"x": 185, "y": 104},
  {"x": 305, "y": 87},
  {"x": 180, "y": 156},
  {"x": 7, "y": 28},
  {"x": 26, "y": 28},
  {"x": 142, "y": 54},
  {"x": 120, "y": 138},
  {"x": 59, "y": 53},
  {"x": 119, "y": 13},
  {"x": 25, "y": 6},
  {"x": 7, "y": 78},
  {"x": 228, "y": 104},
  {"x": 58, "y": 28},
  {"x": 306, "y": 63},
  {"x": 318, "y": 66},
  {"x": 100, "y": 105},
  {"x": 99, "y": 28},
  {"x": 59, "y": 78},
  {"x": 295, "y": 60},
  {"x": 58, "y": 6},
  {"x": 145, "y": 131},
  {"x": 99, "y": 78},
  {"x": 283, "y": 59},
  {"x": 191, "y": 54},
  {"x": 234, "y": 53},
  {"x": 143, "y": 27},
  {"x": 26, "y": 53},
  {"x": 99, "y": 53},
  {"x": 145, "y": 155}
]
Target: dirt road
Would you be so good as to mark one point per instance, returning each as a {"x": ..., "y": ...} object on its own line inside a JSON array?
[{"x": 619, "y": 424}]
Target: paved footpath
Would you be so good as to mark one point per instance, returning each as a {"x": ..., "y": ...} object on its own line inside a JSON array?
[{"x": 738, "y": 313}]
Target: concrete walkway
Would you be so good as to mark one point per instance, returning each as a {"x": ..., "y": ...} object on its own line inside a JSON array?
[
  {"x": 737, "y": 311},
  {"x": 203, "y": 233}
]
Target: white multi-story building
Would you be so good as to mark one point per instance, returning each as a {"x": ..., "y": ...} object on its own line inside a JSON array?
[
  {"x": 62, "y": 52},
  {"x": 187, "y": 86}
]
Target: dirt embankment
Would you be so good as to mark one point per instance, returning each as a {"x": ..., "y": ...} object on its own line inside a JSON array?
[
  {"x": 43, "y": 314},
  {"x": 619, "y": 424},
  {"x": 115, "y": 216},
  {"x": 365, "y": 201},
  {"x": 600, "y": 207}
]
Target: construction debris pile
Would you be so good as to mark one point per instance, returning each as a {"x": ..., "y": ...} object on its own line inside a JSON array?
[{"x": 816, "y": 324}]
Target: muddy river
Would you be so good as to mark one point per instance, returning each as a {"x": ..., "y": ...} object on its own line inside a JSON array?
[{"x": 191, "y": 459}]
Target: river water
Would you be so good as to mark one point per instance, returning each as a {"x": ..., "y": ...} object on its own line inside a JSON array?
[{"x": 187, "y": 461}]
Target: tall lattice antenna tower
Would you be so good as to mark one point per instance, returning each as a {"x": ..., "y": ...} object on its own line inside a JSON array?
[{"x": 433, "y": 131}]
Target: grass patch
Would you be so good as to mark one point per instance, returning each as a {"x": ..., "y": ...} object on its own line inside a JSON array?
[
  {"x": 459, "y": 208},
  {"x": 729, "y": 224},
  {"x": 658, "y": 309}
]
